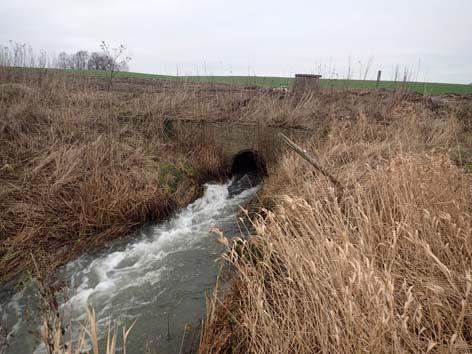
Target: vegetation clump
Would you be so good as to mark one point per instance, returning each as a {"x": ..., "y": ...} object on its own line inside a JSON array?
[
  {"x": 73, "y": 175},
  {"x": 383, "y": 266}
]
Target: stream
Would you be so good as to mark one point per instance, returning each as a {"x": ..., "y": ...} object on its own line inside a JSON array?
[{"x": 158, "y": 276}]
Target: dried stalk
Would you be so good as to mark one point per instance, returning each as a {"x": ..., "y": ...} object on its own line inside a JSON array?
[{"x": 303, "y": 153}]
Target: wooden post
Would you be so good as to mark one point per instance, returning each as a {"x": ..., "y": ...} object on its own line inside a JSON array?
[
  {"x": 311, "y": 160},
  {"x": 379, "y": 74}
]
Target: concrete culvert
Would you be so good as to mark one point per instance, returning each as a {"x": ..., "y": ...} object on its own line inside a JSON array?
[
  {"x": 248, "y": 162},
  {"x": 247, "y": 168}
]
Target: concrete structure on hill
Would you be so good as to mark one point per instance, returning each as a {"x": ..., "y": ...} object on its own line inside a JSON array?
[
  {"x": 242, "y": 146},
  {"x": 306, "y": 82}
]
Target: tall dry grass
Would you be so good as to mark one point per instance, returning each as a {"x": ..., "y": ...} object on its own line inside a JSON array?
[
  {"x": 59, "y": 341},
  {"x": 383, "y": 266},
  {"x": 80, "y": 167},
  {"x": 244, "y": 105}
]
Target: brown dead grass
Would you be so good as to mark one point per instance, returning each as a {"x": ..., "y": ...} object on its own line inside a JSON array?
[
  {"x": 79, "y": 168},
  {"x": 382, "y": 267}
]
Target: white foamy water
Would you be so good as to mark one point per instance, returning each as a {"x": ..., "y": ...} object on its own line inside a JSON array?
[{"x": 159, "y": 277}]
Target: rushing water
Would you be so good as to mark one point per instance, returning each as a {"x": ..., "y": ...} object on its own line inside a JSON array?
[{"x": 158, "y": 277}]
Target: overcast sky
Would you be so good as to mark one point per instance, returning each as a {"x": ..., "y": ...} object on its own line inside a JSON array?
[{"x": 432, "y": 38}]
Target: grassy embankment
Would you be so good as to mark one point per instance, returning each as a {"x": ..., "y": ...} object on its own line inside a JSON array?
[
  {"x": 427, "y": 88},
  {"x": 381, "y": 265},
  {"x": 79, "y": 168}
]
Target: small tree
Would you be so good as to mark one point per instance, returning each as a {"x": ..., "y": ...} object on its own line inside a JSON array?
[
  {"x": 98, "y": 61},
  {"x": 43, "y": 59},
  {"x": 63, "y": 61},
  {"x": 79, "y": 60},
  {"x": 5, "y": 56},
  {"x": 118, "y": 60}
]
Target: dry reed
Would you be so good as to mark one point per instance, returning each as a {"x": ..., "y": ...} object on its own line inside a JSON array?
[
  {"x": 80, "y": 167},
  {"x": 385, "y": 267}
]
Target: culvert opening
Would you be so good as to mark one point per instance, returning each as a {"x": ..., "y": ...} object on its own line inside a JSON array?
[
  {"x": 248, "y": 162},
  {"x": 248, "y": 168}
]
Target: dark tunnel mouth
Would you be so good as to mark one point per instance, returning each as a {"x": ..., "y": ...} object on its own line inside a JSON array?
[{"x": 248, "y": 162}]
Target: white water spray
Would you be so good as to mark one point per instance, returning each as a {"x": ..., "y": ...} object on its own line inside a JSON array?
[{"x": 163, "y": 272}]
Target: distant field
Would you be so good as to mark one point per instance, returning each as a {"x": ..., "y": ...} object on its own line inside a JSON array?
[{"x": 266, "y": 81}]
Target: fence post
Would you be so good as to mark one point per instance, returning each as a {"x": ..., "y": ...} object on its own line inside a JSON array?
[{"x": 379, "y": 74}]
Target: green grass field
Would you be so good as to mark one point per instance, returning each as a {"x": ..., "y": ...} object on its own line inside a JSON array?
[
  {"x": 429, "y": 88},
  {"x": 266, "y": 81}
]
